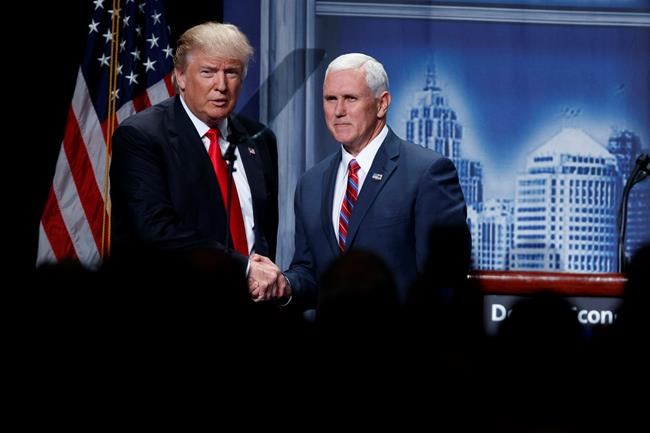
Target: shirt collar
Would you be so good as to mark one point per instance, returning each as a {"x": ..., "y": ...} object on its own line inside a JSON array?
[
  {"x": 367, "y": 155},
  {"x": 202, "y": 127}
]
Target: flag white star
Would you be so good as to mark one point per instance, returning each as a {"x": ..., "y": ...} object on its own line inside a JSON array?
[
  {"x": 98, "y": 4},
  {"x": 133, "y": 78},
  {"x": 149, "y": 65},
  {"x": 156, "y": 17},
  {"x": 136, "y": 54},
  {"x": 168, "y": 51},
  {"x": 108, "y": 36},
  {"x": 153, "y": 40},
  {"x": 93, "y": 26},
  {"x": 103, "y": 60}
]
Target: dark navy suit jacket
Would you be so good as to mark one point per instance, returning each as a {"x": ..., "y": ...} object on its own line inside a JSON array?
[
  {"x": 164, "y": 192},
  {"x": 408, "y": 192}
]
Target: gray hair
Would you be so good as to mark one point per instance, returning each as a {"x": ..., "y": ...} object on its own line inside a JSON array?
[
  {"x": 376, "y": 76},
  {"x": 214, "y": 39}
]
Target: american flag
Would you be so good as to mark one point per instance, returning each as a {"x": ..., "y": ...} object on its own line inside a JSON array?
[{"x": 126, "y": 67}]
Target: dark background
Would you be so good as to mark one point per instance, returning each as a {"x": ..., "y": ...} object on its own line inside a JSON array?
[{"x": 48, "y": 73}]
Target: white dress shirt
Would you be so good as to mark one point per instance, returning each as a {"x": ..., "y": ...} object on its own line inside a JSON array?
[
  {"x": 364, "y": 159},
  {"x": 239, "y": 175}
]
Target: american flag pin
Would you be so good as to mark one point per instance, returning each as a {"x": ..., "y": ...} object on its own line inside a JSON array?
[
  {"x": 377, "y": 176},
  {"x": 251, "y": 151}
]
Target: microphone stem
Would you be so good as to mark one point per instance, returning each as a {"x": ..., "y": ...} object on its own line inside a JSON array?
[
  {"x": 230, "y": 158},
  {"x": 622, "y": 215}
]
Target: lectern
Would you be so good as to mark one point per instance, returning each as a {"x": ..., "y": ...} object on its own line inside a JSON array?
[{"x": 595, "y": 297}]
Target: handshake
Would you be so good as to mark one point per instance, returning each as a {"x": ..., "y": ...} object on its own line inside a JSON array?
[{"x": 265, "y": 280}]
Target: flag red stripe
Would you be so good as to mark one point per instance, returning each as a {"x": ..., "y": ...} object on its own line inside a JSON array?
[
  {"x": 141, "y": 101},
  {"x": 84, "y": 177},
  {"x": 57, "y": 232},
  {"x": 168, "y": 83}
]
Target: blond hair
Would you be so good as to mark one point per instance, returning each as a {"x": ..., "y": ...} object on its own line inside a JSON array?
[{"x": 214, "y": 39}]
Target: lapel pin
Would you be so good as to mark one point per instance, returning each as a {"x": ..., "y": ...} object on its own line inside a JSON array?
[
  {"x": 251, "y": 151},
  {"x": 377, "y": 176}
]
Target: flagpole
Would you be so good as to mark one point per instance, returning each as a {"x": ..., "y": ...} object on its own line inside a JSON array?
[{"x": 110, "y": 125}]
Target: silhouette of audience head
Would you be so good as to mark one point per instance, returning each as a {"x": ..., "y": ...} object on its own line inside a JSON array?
[
  {"x": 357, "y": 291},
  {"x": 538, "y": 362},
  {"x": 449, "y": 255},
  {"x": 541, "y": 321},
  {"x": 442, "y": 304},
  {"x": 446, "y": 268}
]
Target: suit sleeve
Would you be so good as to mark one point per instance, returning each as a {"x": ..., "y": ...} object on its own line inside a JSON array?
[
  {"x": 440, "y": 211},
  {"x": 142, "y": 208},
  {"x": 301, "y": 273}
]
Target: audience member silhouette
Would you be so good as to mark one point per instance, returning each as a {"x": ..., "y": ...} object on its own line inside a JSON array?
[
  {"x": 443, "y": 306},
  {"x": 357, "y": 294},
  {"x": 357, "y": 323},
  {"x": 536, "y": 363},
  {"x": 541, "y": 322}
]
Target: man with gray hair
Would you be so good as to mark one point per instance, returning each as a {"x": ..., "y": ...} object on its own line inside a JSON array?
[
  {"x": 376, "y": 193},
  {"x": 171, "y": 184}
]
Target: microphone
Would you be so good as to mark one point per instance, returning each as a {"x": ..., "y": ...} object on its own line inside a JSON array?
[
  {"x": 240, "y": 136},
  {"x": 258, "y": 134},
  {"x": 640, "y": 171},
  {"x": 643, "y": 161}
]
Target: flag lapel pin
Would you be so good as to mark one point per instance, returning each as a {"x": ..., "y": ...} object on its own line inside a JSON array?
[
  {"x": 251, "y": 151},
  {"x": 377, "y": 176}
]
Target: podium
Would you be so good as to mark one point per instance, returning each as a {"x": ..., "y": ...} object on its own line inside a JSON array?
[{"x": 594, "y": 297}]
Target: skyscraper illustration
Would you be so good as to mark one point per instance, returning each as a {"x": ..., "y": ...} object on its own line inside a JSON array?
[
  {"x": 492, "y": 231},
  {"x": 565, "y": 206},
  {"x": 625, "y": 145},
  {"x": 433, "y": 124}
]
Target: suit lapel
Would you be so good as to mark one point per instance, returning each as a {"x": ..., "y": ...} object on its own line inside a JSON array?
[
  {"x": 382, "y": 168},
  {"x": 253, "y": 164},
  {"x": 190, "y": 149},
  {"x": 329, "y": 181},
  {"x": 254, "y": 170},
  {"x": 249, "y": 155}
]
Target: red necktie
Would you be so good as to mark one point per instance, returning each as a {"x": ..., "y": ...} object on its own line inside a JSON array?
[
  {"x": 350, "y": 199},
  {"x": 237, "y": 232}
]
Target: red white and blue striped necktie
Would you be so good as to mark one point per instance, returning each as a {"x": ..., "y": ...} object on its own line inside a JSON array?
[{"x": 350, "y": 199}]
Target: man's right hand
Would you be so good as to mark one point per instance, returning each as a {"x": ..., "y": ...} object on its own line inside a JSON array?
[{"x": 265, "y": 281}]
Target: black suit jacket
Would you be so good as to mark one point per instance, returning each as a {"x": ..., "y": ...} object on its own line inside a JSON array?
[{"x": 165, "y": 195}]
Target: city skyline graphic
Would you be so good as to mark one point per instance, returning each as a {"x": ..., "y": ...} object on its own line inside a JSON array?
[{"x": 563, "y": 213}]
